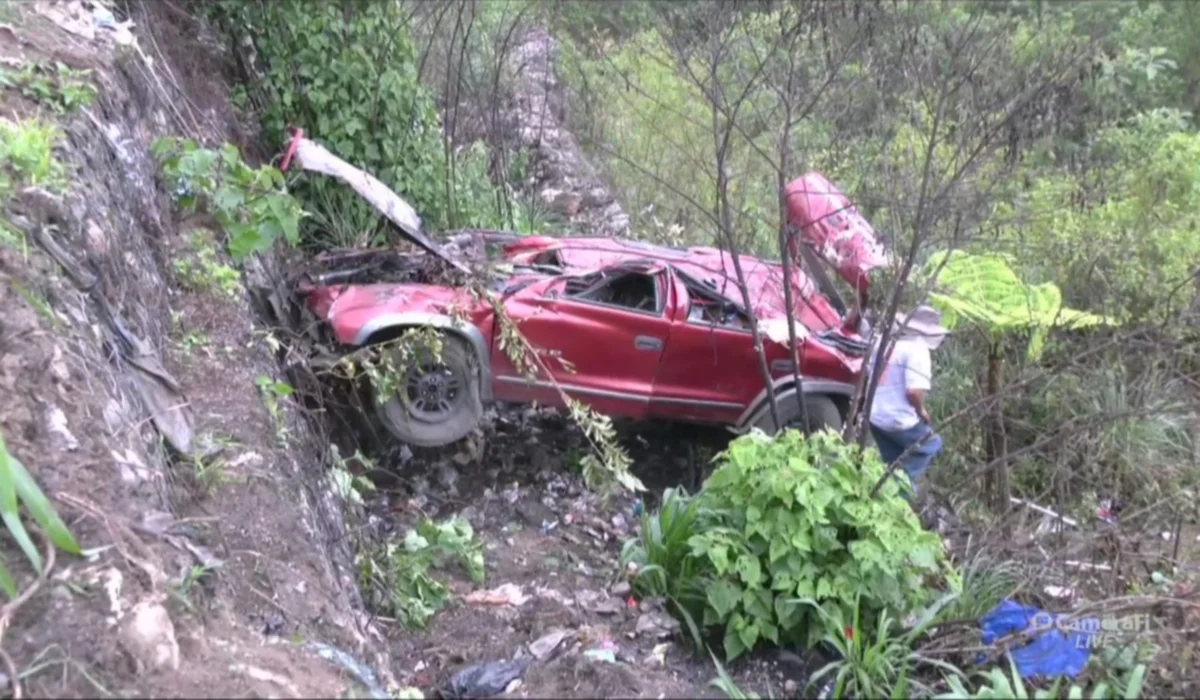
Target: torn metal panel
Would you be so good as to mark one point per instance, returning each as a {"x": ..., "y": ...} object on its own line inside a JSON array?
[
  {"x": 829, "y": 222},
  {"x": 315, "y": 157}
]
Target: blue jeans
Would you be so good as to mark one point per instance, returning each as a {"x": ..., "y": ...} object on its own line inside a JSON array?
[{"x": 893, "y": 443}]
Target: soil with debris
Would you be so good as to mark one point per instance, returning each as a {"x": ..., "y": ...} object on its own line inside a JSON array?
[{"x": 555, "y": 595}]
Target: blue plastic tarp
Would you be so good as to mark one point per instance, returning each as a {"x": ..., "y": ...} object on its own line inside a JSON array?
[{"x": 1057, "y": 649}]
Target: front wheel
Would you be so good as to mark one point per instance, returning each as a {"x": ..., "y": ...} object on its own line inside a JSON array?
[
  {"x": 820, "y": 412},
  {"x": 437, "y": 398}
]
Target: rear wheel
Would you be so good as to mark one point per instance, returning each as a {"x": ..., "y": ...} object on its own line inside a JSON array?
[
  {"x": 819, "y": 413},
  {"x": 437, "y": 398}
]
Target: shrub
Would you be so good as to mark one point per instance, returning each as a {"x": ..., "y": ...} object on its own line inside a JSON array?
[
  {"x": 348, "y": 75},
  {"x": 252, "y": 205},
  {"x": 782, "y": 520},
  {"x": 396, "y": 577}
]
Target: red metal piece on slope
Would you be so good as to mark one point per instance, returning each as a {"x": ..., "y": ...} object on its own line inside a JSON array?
[
  {"x": 828, "y": 221},
  {"x": 296, "y": 134}
]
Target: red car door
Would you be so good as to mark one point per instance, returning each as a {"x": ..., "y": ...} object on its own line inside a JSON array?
[
  {"x": 601, "y": 337},
  {"x": 710, "y": 371}
]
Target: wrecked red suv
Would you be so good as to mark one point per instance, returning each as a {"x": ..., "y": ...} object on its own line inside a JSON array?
[{"x": 646, "y": 332}]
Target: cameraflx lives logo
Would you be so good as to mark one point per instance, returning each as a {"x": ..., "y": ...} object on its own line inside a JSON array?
[{"x": 1095, "y": 632}]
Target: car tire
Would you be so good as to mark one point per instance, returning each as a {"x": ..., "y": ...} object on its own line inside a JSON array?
[
  {"x": 424, "y": 420},
  {"x": 820, "y": 412}
]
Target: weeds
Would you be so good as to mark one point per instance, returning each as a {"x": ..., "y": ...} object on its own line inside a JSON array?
[
  {"x": 206, "y": 273},
  {"x": 346, "y": 484},
  {"x": 181, "y": 591},
  {"x": 662, "y": 554},
  {"x": 58, "y": 87},
  {"x": 606, "y": 463},
  {"x": 26, "y": 160},
  {"x": 986, "y": 582},
  {"x": 251, "y": 204},
  {"x": 998, "y": 685},
  {"x": 395, "y": 577},
  {"x": 881, "y": 664},
  {"x": 273, "y": 393},
  {"x": 209, "y": 473},
  {"x": 37, "y": 302},
  {"x": 194, "y": 341},
  {"x": 724, "y": 683}
]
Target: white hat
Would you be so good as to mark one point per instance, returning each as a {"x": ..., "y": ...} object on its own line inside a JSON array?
[{"x": 924, "y": 323}]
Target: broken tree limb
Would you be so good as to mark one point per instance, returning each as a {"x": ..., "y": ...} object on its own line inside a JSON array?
[{"x": 315, "y": 157}]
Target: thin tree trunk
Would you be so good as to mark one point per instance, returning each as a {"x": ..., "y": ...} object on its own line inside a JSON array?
[{"x": 997, "y": 482}]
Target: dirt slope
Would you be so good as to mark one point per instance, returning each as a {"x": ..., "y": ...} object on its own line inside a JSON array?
[{"x": 189, "y": 562}]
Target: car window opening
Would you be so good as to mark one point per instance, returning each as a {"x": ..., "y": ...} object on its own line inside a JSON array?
[
  {"x": 709, "y": 309},
  {"x": 630, "y": 290},
  {"x": 549, "y": 258}
]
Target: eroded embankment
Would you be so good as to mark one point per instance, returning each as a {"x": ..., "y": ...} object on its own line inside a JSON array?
[{"x": 129, "y": 370}]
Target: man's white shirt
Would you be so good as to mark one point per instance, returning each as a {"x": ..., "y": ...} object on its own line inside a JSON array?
[{"x": 910, "y": 366}]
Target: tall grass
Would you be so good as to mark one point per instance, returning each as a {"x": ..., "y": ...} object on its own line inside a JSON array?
[{"x": 663, "y": 556}]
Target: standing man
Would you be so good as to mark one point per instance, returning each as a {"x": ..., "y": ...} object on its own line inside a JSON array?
[{"x": 899, "y": 419}]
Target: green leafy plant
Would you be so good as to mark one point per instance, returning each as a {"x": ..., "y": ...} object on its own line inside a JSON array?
[
  {"x": 662, "y": 551},
  {"x": 986, "y": 581},
  {"x": 210, "y": 473},
  {"x": 725, "y": 683},
  {"x": 786, "y": 519},
  {"x": 205, "y": 272},
  {"x": 349, "y": 76},
  {"x": 346, "y": 484},
  {"x": 882, "y": 664},
  {"x": 251, "y": 204},
  {"x": 995, "y": 684},
  {"x": 18, "y": 488},
  {"x": 59, "y": 87},
  {"x": 606, "y": 464},
  {"x": 386, "y": 364},
  {"x": 273, "y": 393},
  {"x": 27, "y": 159},
  {"x": 985, "y": 290},
  {"x": 396, "y": 579},
  {"x": 181, "y": 590}
]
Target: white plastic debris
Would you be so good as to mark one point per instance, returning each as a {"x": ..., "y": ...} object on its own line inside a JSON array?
[
  {"x": 505, "y": 595},
  {"x": 1059, "y": 592}
]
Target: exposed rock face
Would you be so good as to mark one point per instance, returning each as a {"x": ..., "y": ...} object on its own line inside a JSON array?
[{"x": 560, "y": 174}]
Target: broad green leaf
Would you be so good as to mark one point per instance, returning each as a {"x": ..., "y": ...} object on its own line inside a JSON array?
[
  {"x": 723, "y": 596},
  {"x": 40, "y": 509},
  {"x": 12, "y": 520},
  {"x": 733, "y": 644},
  {"x": 984, "y": 290}
]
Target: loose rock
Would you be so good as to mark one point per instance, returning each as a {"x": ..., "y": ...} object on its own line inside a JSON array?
[
  {"x": 656, "y": 625},
  {"x": 548, "y": 643},
  {"x": 149, "y": 636}
]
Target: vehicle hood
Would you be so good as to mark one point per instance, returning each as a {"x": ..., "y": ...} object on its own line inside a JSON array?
[
  {"x": 355, "y": 311},
  {"x": 829, "y": 222}
]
